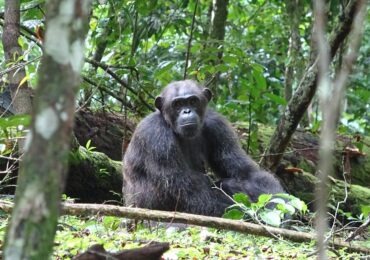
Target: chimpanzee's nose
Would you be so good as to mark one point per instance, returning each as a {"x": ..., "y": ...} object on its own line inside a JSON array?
[{"x": 186, "y": 111}]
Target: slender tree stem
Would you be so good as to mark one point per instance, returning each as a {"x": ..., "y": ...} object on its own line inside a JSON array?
[{"x": 190, "y": 40}]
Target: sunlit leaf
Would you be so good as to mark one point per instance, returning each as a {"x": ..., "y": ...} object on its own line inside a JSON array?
[
  {"x": 365, "y": 210},
  {"x": 164, "y": 67},
  {"x": 271, "y": 218},
  {"x": 24, "y": 80},
  {"x": 258, "y": 76},
  {"x": 286, "y": 208},
  {"x": 277, "y": 200},
  {"x": 242, "y": 198},
  {"x": 16, "y": 120},
  {"x": 234, "y": 214},
  {"x": 299, "y": 205},
  {"x": 263, "y": 199}
]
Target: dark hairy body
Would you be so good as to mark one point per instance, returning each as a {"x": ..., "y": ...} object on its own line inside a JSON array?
[{"x": 166, "y": 161}]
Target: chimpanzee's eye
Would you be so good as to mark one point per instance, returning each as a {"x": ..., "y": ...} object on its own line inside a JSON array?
[
  {"x": 176, "y": 104},
  {"x": 194, "y": 101}
]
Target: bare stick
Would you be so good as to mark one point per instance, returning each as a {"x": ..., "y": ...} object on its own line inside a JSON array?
[{"x": 360, "y": 230}]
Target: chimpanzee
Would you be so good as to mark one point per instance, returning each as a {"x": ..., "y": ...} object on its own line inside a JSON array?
[{"x": 166, "y": 160}]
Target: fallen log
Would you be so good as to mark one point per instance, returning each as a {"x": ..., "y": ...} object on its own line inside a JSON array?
[
  {"x": 93, "y": 177},
  {"x": 185, "y": 218},
  {"x": 302, "y": 185}
]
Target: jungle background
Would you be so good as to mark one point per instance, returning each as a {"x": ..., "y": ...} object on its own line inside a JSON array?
[{"x": 258, "y": 57}]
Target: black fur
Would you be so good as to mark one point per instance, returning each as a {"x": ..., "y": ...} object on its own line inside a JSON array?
[{"x": 165, "y": 169}]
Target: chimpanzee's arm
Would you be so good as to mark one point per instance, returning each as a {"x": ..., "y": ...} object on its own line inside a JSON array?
[
  {"x": 229, "y": 161},
  {"x": 225, "y": 155}
]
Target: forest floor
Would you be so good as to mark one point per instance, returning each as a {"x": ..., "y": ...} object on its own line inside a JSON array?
[{"x": 76, "y": 234}]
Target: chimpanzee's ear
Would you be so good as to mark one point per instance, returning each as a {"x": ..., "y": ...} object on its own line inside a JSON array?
[
  {"x": 158, "y": 102},
  {"x": 207, "y": 93}
]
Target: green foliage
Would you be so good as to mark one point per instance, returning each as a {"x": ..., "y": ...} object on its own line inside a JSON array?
[
  {"x": 365, "y": 210},
  {"x": 145, "y": 43},
  {"x": 14, "y": 121},
  {"x": 76, "y": 234},
  {"x": 88, "y": 146},
  {"x": 12, "y": 128},
  {"x": 270, "y": 209}
]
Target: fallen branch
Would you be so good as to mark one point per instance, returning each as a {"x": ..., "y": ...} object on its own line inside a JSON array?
[
  {"x": 205, "y": 221},
  {"x": 360, "y": 230}
]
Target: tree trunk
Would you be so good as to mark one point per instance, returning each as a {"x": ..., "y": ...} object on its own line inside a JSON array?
[
  {"x": 216, "y": 38},
  {"x": 19, "y": 90},
  {"x": 293, "y": 12},
  {"x": 302, "y": 97},
  {"x": 42, "y": 175},
  {"x": 101, "y": 45}
]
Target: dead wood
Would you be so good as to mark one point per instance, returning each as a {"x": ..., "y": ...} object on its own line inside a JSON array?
[{"x": 205, "y": 221}]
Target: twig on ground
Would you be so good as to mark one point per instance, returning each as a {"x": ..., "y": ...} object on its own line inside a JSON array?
[{"x": 360, "y": 230}]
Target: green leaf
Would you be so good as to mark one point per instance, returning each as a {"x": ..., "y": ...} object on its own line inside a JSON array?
[
  {"x": 14, "y": 121},
  {"x": 222, "y": 68},
  {"x": 22, "y": 43},
  {"x": 277, "y": 99},
  {"x": 234, "y": 214},
  {"x": 88, "y": 143},
  {"x": 24, "y": 80},
  {"x": 263, "y": 199},
  {"x": 164, "y": 67},
  {"x": 196, "y": 47},
  {"x": 299, "y": 205},
  {"x": 258, "y": 76},
  {"x": 286, "y": 208},
  {"x": 359, "y": 145},
  {"x": 111, "y": 222},
  {"x": 145, "y": 7},
  {"x": 365, "y": 210},
  {"x": 284, "y": 196},
  {"x": 230, "y": 59},
  {"x": 242, "y": 198},
  {"x": 208, "y": 69},
  {"x": 278, "y": 201},
  {"x": 271, "y": 218}
]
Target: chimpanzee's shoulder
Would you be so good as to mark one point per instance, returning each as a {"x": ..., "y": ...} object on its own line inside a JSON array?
[
  {"x": 214, "y": 119},
  {"x": 152, "y": 122}
]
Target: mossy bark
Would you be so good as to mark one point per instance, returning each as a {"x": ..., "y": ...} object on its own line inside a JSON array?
[
  {"x": 93, "y": 177},
  {"x": 302, "y": 185},
  {"x": 302, "y": 153}
]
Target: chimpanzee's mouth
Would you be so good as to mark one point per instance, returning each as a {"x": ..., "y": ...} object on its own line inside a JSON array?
[{"x": 189, "y": 124}]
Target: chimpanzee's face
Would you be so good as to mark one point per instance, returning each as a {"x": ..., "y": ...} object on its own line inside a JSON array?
[{"x": 183, "y": 105}]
